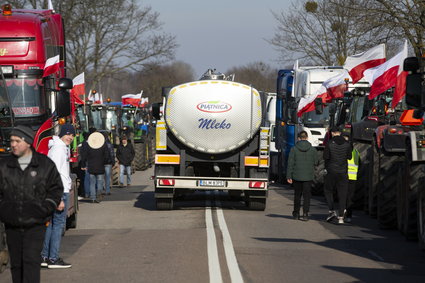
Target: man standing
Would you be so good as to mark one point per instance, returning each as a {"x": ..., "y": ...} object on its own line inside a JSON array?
[
  {"x": 301, "y": 162},
  {"x": 96, "y": 157},
  {"x": 125, "y": 155},
  {"x": 30, "y": 191},
  {"x": 336, "y": 154},
  {"x": 59, "y": 153},
  {"x": 109, "y": 164}
]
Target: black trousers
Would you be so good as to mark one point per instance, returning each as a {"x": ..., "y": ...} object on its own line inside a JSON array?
[
  {"x": 302, "y": 188},
  {"x": 25, "y": 252},
  {"x": 350, "y": 195},
  {"x": 338, "y": 182}
]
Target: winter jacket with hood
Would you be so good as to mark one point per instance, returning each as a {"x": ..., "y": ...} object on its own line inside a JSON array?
[
  {"x": 95, "y": 159},
  {"x": 301, "y": 161},
  {"x": 28, "y": 197},
  {"x": 336, "y": 155},
  {"x": 59, "y": 153}
]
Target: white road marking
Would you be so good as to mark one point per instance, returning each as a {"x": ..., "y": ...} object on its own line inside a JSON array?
[
  {"x": 213, "y": 262},
  {"x": 232, "y": 263}
]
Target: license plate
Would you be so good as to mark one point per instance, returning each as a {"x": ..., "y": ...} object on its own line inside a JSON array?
[{"x": 212, "y": 183}]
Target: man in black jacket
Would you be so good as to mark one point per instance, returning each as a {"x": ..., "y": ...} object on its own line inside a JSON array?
[
  {"x": 336, "y": 155},
  {"x": 30, "y": 191},
  {"x": 125, "y": 155}
]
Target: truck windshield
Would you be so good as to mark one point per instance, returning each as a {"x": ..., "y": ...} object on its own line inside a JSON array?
[
  {"x": 25, "y": 96},
  {"x": 315, "y": 120}
]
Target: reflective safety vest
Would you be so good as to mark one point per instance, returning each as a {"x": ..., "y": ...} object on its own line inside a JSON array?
[{"x": 353, "y": 165}]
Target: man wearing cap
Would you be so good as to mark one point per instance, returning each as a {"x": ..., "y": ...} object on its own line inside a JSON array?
[
  {"x": 59, "y": 153},
  {"x": 336, "y": 155},
  {"x": 30, "y": 191}
]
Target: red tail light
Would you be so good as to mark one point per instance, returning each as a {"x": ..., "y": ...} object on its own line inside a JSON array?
[
  {"x": 166, "y": 182},
  {"x": 254, "y": 184}
]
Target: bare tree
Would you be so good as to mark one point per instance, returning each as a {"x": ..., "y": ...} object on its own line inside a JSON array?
[
  {"x": 406, "y": 18},
  {"x": 258, "y": 74},
  {"x": 105, "y": 37},
  {"x": 325, "y": 32}
]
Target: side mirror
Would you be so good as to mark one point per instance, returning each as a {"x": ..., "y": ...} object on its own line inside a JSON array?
[
  {"x": 165, "y": 91},
  {"x": 156, "y": 111},
  {"x": 63, "y": 103},
  {"x": 65, "y": 83},
  {"x": 318, "y": 106}
]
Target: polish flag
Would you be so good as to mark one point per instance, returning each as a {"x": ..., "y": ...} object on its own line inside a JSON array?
[
  {"x": 306, "y": 104},
  {"x": 51, "y": 66},
  {"x": 96, "y": 98},
  {"x": 336, "y": 85},
  {"x": 357, "y": 64},
  {"x": 131, "y": 99},
  {"x": 78, "y": 91},
  {"x": 387, "y": 75},
  {"x": 333, "y": 87},
  {"x": 144, "y": 101}
]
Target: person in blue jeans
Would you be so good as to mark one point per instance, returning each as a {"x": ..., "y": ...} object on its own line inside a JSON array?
[
  {"x": 125, "y": 155},
  {"x": 109, "y": 164},
  {"x": 96, "y": 157},
  {"x": 59, "y": 153}
]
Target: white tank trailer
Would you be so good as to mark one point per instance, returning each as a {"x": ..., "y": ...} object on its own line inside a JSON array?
[{"x": 212, "y": 135}]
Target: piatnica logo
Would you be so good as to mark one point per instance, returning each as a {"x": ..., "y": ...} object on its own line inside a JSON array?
[{"x": 214, "y": 106}]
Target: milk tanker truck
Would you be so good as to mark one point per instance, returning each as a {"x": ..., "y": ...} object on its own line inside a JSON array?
[{"x": 211, "y": 135}]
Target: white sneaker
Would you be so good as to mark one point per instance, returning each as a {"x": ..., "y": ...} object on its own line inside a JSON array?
[{"x": 340, "y": 220}]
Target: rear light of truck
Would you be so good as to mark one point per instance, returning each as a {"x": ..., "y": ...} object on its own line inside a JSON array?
[
  {"x": 166, "y": 182},
  {"x": 257, "y": 185}
]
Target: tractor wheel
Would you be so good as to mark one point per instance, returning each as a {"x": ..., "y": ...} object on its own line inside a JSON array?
[
  {"x": 115, "y": 175},
  {"x": 140, "y": 155},
  {"x": 373, "y": 180},
  {"x": 421, "y": 218},
  {"x": 359, "y": 197},
  {"x": 413, "y": 179},
  {"x": 319, "y": 176},
  {"x": 387, "y": 189}
]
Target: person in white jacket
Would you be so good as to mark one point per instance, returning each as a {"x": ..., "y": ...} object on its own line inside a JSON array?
[{"x": 58, "y": 152}]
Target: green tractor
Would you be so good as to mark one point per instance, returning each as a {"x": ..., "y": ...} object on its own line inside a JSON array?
[{"x": 136, "y": 124}]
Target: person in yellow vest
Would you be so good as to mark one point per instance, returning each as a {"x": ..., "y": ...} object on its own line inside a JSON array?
[{"x": 353, "y": 167}]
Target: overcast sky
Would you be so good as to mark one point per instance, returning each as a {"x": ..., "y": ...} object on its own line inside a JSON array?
[{"x": 221, "y": 33}]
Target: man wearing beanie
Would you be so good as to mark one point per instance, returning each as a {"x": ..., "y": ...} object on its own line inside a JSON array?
[
  {"x": 58, "y": 152},
  {"x": 30, "y": 191}
]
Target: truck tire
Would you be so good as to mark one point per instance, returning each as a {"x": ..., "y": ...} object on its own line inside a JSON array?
[
  {"x": 140, "y": 156},
  {"x": 164, "y": 204},
  {"x": 258, "y": 204},
  {"x": 373, "y": 180},
  {"x": 319, "y": 176},
  {"x": 359, "y": 196},
  {"x": 387, "y": 189}
]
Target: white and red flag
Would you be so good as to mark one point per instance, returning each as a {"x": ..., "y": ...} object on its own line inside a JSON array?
[
  {"x": 131, "y": 99},
  {"x": 388, "y": 75},
  {"x": 357, "y": 64},
  {"x": 51, "y": 66},
  {"x": 333, "y": 87},
  {"x": 95, "y": 97},
  {"x": 78, "y": 90},
  {"x": 144, "y": 101}
]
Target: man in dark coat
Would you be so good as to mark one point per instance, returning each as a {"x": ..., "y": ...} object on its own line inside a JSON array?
[
  {"x": 336, "y": 155},
  {"x": 96, "y": 155},
  {"x": 30, "y": 191},
  {"x": 300, "y": 172},
  {"x": 125, "y": 155}
]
